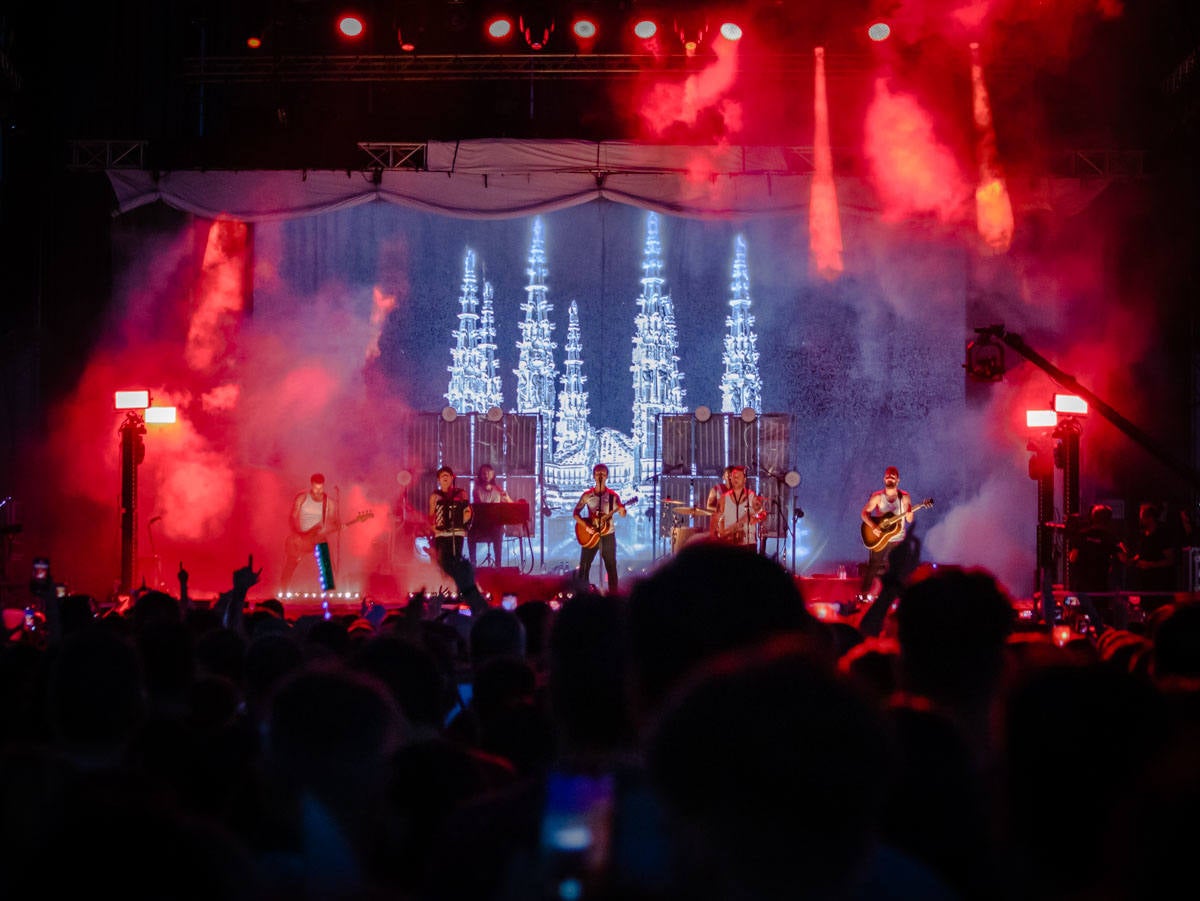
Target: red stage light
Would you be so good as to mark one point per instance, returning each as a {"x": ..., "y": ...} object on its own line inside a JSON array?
[
  {"x": 584, "y": 29},
  {"x": 645, "y": 29},
  {"x": 879, "y": 31},
  {"x": 731, "y": 31},
  {"x": 500, "y": 28},
  {"x": 351, "y": 26},
  {"x": 253, "y": 42}
]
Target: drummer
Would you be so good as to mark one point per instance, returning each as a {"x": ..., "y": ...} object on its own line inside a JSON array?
[{"x": 717, "y": 491}]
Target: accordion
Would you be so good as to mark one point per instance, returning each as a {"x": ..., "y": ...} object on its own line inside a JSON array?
[{"x": 448, "y": 516}]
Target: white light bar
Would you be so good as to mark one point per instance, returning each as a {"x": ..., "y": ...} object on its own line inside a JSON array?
[
  {"x": 131, "y": 400},
  {"x": 159, "y": 415},
  {"x": 1041, "y": 419},
  {"x": 1070, "y": 403}
]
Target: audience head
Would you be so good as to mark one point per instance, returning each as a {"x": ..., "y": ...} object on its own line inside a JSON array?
[
  {"x": 952, "y": 625},
  {"x": 741, "y": 757},
  {"x": 496, "y": 633},
  {"x": 708, "y": 598}
]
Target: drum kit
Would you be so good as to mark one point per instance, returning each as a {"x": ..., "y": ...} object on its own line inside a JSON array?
[{"x": 680, "y": 533}]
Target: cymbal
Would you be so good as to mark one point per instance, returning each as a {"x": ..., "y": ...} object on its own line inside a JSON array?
[
  {"x": 671, "y": 503},
  {"x": 692, "y": 511}
]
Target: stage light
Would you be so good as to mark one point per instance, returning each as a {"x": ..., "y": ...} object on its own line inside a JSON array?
[
  {"x": 879, "y": 31},
  {"x": 449, "y": 414},
  {"x": 1041, "y": 419},
  {"x": 406, "y": 46},
  {"x": 731, "y": 31},
  {"x": 703, "y": 413},
  {"x": 537, "y": 31},
  {"x": 645, "y": 29},
  {"x": 749, "y": 414},
  {"x": 985, "y": 357},
  {"x": 131, "y": 400},
  {"x": 351, "y": 26},
  {"x": 159, "y": 415},
  {"x": 253, "y": 42},
  {"x": 584, "y": 29},
  {"x": 1070, "y": 403},
  {"x": 499, "y": 28}
]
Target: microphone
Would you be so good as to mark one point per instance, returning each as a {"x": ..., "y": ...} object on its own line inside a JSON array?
[{"x": 797, "y": 513}]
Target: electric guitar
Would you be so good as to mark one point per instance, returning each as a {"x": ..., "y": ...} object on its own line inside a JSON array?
[
  {"x": 888, "y": 525},
  {"x": 725, "y": 533},
  {"x": 299, "y": 543},
  {"x": 589, "y": 533}
]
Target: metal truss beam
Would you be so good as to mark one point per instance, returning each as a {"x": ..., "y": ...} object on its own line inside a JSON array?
[
  {"x": 1100, "y": 163},
  {"x": 92, "y": 156},
  {"x": 474, "y": 66},
  {"x": 385, "y": 155}
]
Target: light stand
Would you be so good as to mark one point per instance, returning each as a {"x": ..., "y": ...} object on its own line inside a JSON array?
[
  {"x": 136, "y": 407},
  {"x": 133, "y": 451}
]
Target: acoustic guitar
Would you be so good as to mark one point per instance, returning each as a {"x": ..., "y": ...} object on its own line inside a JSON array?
[
  {"x": 589, "y": 533},
  {"x": 728, "y": 533},
  {"x": 888, "y": 525},
  {"x": 297, "y": 544}
]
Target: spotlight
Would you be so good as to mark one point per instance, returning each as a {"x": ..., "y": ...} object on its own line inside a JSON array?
[
  {"x": 1070, "y": 403},
  {"x": 584, "y": 29},
  {"x": 500, "y": 28},
  {"x": 985, "y": 357},
  {"x": 731, "y": 31},
  {"x": 131, "y": 400},
  {"x": 645, "y": 29},
  {"x": 351, "y": 26},
  {"x": 879, "y": 31},
  {"x": 159, "y": 415},
  {"x": 253, "y": 42}
]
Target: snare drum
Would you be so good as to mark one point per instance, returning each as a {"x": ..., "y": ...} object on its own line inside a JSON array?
[{"x": 681, "y": 535}]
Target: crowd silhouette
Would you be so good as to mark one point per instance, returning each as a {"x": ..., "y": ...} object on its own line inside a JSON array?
[{"x": 701, "y": 736}]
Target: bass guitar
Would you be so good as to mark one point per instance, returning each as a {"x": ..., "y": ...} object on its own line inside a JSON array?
[
  {"x": 298, "y": 544},
  {"x": 888, "y": 525},
  {"x": 589, "y": 533}
]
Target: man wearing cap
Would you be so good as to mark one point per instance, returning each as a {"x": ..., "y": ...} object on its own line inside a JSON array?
[{"x": 888, "y": 501}]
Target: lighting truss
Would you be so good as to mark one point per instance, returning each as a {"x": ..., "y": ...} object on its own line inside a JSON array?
[{"x": 382, "y": 68}]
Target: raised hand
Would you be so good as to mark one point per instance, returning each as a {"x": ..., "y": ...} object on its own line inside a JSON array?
[{"x": 247, "y": 576}]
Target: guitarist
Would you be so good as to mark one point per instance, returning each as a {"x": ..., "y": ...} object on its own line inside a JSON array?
[
  {"x": 738, "y": 511},
  {"x": 602, "y": 503},
  {"x": 314, "y": 516},
  {"x": 885, "y": 502}
]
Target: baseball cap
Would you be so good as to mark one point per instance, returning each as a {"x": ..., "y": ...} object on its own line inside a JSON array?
[{"x": 891, "y": 471}]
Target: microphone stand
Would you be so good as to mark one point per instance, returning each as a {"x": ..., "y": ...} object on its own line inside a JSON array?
[{"x": 796, "y": 514}]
